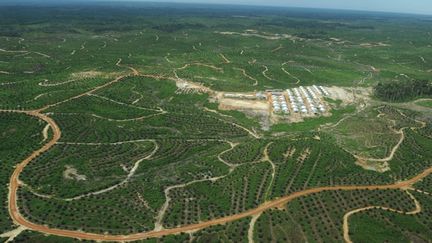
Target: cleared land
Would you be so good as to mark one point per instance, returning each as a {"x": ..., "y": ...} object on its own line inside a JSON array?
[{"x": 142, "y": 129}]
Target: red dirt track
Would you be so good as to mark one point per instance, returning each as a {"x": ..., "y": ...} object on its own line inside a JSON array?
[{"x": 20, "y": 220}]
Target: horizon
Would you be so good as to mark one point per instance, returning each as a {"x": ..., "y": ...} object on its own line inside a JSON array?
[
  {"x": 243, "y": 121},
  {"x": 421, "y": 7}
]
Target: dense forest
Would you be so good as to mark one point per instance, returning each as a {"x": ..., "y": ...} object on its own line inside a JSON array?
[{"x": 403, "y": 90}]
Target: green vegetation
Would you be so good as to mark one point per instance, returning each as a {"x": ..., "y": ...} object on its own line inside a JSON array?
[
  {"x": 145, "y": 144},
  {"x": 84, "y": 168},
  {"x": 369, "y": 134},
  {"x": 240, "y": 190},
  {"x": 29, "y": 236},
  {"x": 387, "y": 226},
  {"x": 20, "y": 135},
  {"x": 231, "y": 232},
  {"x": 425, "y": 103},
  {"x": 318, "y": 217},
  {"x": 403, "y": 90},
  {"x": 311, "y": 124}
]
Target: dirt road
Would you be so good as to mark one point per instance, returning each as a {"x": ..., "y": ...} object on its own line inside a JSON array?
[
  {"x": 21, "y": 221},
  {"x": 396, "y": 147},
  {"x": 347, "y": 238}
]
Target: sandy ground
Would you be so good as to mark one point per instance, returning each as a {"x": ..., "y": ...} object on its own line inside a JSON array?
[
  {"x": 237, "y": 104},
  {"x": 186, "y": 86},
  {"x": 294, "y": 77},
  {"x": 13, "y": 233},
  {"x": 247, "y": 76},
  {"x": 252, "y": 227},
  {"x": 45, "y": 132},
  {"x": 267, "y": 36},
  {"x": 70, "y": 173},
  {"x": 264, "y": 73},
  {"x": 87, "y": 74},
  {"x": 266, "y": 158},
  {"x": 343, "y": 94},
  {"x": 277, "y": 48},
  {"x": 225, "y": 59},
  {"x": 78, "y": 76},
  {"x": 42, "y": 54},
  {"x": 378, "y": 44},
  {"x": 259, "y": 109}
]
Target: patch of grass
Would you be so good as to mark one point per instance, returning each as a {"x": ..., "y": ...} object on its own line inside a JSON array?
[
  {"x": 367, "y": 133},
  {"x": 364, "y": 228},
  {"x": 425, "y": 103},
  {"x": 313, "y": 123}
]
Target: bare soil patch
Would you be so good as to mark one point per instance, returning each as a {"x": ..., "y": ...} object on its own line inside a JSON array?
[
  {"x": 87, "y": 74},
  {"x": 71, "y": 173}
]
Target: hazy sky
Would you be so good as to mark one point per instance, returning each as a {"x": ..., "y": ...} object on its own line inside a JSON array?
[
  {"x": 404, "y": 6},
  {"x": 399, "y": 6}
]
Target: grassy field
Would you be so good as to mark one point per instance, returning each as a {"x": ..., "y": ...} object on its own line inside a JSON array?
[
  {"x": 425, "y": 103},
  {"x": 139, "y": 152}
]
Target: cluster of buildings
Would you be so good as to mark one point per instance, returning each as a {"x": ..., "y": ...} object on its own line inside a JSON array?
[
  {"x": 303, "y": 100},
  {"x": 292, "y": 104},
  {"x": 279, "y": 103},
  {"x": 297, "y": 101}
]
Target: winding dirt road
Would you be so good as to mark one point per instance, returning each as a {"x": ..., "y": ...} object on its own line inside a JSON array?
[
  {"x": 247, "y": 76},
  {"x": 285, "y": 71},
  {"x": 346, "y": 235},
  {"x": 19, "y": 219}
]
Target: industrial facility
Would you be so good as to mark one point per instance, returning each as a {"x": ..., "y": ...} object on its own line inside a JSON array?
[
  {"x": 287, "y": 105},
  {"x": 305, "y": 101}
]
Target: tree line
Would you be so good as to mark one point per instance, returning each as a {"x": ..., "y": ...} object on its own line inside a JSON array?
[{"x": 403, "y": 90}]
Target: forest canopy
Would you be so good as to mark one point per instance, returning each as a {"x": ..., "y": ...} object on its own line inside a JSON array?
[{"x": 403, "y": 90}]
